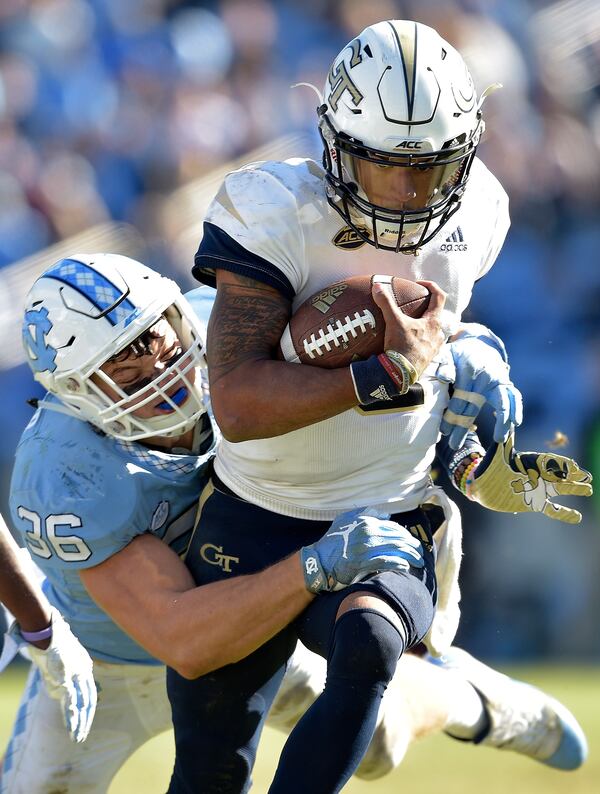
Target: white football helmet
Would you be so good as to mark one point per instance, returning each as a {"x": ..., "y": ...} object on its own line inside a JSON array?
[
  {"x": 399, "y": 96},
  {"x": 87, "y": 308}
]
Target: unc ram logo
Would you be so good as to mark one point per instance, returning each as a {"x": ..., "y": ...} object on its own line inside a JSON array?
[
  {"x": 42, "y": 356},
  {"x": 311, "y": 565}
]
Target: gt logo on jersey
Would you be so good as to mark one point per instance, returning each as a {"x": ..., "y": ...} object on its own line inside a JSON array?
[
  {"x": 213, "y": 555},
  {"x": 42, "y": 356},
  {"x": 348, "y": 239},
  {"x": 325, "y": 300}
]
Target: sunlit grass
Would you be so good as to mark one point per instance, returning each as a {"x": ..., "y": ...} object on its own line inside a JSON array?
[{"x": 437, "y": 765}]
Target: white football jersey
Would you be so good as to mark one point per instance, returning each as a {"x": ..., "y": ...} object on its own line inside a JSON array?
[{"x": 278, "y": 212}]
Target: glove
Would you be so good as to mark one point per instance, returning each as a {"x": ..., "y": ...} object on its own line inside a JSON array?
[
  {"x": 358, "y": 543},
  {"x": 67, "y": 670},
  {"x": 481, "y": 375},
  {"x": 522, "y": 482}
]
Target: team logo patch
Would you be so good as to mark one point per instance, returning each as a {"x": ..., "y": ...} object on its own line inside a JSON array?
[
  {"x": 348, "y": 239},
  {"x": 311, "y": 565},
  {"x": 159, "y": 516},
  {"x": 213, "y": 555},
  {"x": 325, "y": 300},
  {"x": 42, "y": 356}
]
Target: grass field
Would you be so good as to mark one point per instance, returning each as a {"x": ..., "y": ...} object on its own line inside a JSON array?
[{"x": 432, "y": 765}]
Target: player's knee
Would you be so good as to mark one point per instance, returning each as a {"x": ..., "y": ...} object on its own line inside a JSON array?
[
  {"x": 366, "y": 646},
  {"x": 412, "y": 598}
]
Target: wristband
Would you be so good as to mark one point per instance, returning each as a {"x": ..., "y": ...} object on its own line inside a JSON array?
[
  {"x": 468, "y": 477},
  {"x": 456, "y": 461},
  {"x": 409, "y": 373},
  {"x": 394, "y": 372},
  {"x": 375, "y": 381},
  {"x": 37, "y": 636}
]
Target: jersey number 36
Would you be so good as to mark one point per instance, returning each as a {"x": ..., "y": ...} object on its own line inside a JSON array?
[{"x": 43, "y": 540}]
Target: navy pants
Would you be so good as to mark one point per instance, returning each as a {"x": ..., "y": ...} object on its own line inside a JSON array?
[{"x": 218, "y": 718}]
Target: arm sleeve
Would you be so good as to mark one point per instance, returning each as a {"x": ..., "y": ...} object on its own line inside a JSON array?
[{"x": 252, "y": 228}]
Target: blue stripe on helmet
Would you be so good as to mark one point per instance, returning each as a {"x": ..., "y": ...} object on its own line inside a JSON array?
[{"x": 101, "y": 292}]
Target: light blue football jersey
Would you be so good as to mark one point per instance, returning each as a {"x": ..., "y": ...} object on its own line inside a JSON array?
[{"x": 79, "y": 496}]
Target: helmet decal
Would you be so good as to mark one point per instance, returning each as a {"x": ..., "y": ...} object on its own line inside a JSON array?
[
  {"x": 406, "y": 38},
  {"x": 41, "y": 355},
  {"x": 340, "y": 80}
]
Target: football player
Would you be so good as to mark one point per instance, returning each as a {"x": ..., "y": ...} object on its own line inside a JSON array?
[
  {"x": 400, "y": 192},
  {"x": 104, "y": 493},
  {"x": 105, "y": 499},
  {"x": 61, "y": 661}
]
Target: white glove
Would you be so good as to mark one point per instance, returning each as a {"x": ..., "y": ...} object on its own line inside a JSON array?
[{"x": 67, "y": 670}]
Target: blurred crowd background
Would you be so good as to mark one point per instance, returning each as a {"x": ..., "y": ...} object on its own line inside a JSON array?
[{"x": 115, "y": 118}]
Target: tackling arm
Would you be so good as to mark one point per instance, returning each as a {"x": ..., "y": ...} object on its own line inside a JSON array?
[
  {"x": 199, "y": 629},
  {"x": 194, "y": 629}
]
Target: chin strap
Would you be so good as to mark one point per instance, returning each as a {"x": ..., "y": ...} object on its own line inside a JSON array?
[{"x": 59, "y": 407}]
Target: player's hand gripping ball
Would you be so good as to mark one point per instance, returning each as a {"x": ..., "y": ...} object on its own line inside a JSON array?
[{"x": 342, "y": 323}]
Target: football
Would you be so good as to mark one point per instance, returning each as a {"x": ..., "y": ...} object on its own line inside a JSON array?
[{"x": 342, "y": 323}]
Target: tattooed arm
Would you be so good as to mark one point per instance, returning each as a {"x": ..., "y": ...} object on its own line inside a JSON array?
[{"x": 252, "y": 395}]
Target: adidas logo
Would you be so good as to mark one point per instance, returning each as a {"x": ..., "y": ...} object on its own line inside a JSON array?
[
  {"x": 380, "y": 393},
  {"x": 456, "y": 236},
  {"x": 325, "y": 300},
  {"x": 456, "y": 241}
]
